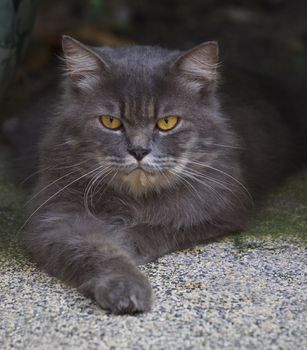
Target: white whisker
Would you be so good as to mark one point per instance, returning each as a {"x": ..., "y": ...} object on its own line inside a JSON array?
[
  {"x": 224, "y": 173},
  {"x": 218, "y": 182},
  {"x": 58, "y": 179},
  {"x": 58, "y": 192},
  {"x": 49, "y": 185},
  {"x": 33, "y": 174},
  {"x": 225, "y": 146},
  {"x": 89, "y": 189},
  {"x": 186, "y": 183},
  {"x": 192, "y": 177}
]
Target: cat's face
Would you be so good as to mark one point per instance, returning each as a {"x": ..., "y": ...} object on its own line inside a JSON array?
[{"x": 140, "y": 114}]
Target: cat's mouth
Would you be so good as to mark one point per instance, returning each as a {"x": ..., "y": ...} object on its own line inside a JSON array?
[
  {"x": 142, "y": 169},
  {"x": 142, "y": 179}
]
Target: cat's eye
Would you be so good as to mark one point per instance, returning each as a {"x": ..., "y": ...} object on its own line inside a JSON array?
[
  {"x": 110, "y": 122},
  {"x": 167, "y": 123}
]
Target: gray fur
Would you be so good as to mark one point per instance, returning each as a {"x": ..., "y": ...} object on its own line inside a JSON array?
[{"x": 91, "y": 228}]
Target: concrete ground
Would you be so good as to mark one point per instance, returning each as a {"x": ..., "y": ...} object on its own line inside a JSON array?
[{"x": 244, "y": 292}]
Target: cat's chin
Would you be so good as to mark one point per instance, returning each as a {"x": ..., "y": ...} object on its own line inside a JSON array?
[{"x": 140, "y": 181}]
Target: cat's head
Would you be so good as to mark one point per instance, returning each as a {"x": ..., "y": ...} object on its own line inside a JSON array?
[{"x": 139, "y": 115}]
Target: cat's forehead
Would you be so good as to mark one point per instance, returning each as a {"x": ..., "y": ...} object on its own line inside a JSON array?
[
  {"x": 140, "y": 109},
  {"x": 137, "y": 73},
  {"x": 137, "y": 58},
  {"x": 138, "y": 67}
]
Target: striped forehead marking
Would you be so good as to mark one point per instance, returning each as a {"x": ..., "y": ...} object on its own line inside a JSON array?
[{"x": 139, "y": 109}]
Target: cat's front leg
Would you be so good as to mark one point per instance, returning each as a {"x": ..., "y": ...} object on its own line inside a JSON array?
[
  {"x": 151, "y": 242},
  {"x": 145, "y": 243},
  {"x": 79, "y": 249}
]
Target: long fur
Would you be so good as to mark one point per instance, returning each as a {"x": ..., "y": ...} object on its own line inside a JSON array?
[{"x": 96, "y": 212}]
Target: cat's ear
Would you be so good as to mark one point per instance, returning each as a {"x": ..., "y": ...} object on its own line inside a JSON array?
[
  {"x": 83, "y": 65},
  {"x": 198, "y": 66}
]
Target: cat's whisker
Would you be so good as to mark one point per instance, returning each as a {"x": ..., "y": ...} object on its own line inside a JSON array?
[
  {"x": 72, "y": 165},
  {"x": 218, "y": 182},
  {"x": 35, "y": 173},
  {"x": 97, "y": 178},
  {"x": 49, "y": 185},
  {"x": 57, "y": 193},
  {"x": 92, "y": 180},
  {"x": 214, "y": 190},
  {"x": 224, "y": 173},
  {"x": 87, "y": 189},
  {"x": 99, "y": 181},
  {"x": 103, "y": 188},
  {"x": 70, "y": 142},
  {"x": 201, "y": 175},
  {"x": 186, "y": 183},
  {"x": 161, "y": 172},
  {"x": 51, "y": 168},
  {"x": 224, "y": 146},
  {"x": 157, "y": 160}
]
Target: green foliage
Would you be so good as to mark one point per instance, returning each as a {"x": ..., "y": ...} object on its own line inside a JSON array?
[
  {"x": 97, "y": 5},
  {"x": 16, "y": 20}
]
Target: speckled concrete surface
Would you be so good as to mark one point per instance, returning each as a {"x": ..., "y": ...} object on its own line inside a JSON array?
[{"x": 245, "y": 292}]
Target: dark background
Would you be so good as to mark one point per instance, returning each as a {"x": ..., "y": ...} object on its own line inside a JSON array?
[{"x": 266, "y": 38}]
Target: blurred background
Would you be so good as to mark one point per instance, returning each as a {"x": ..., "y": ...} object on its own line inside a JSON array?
[{"x": 266, "y": 38}]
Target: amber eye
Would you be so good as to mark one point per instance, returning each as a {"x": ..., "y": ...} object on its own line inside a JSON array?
[
  {"x": 110, "y": 122},
  {"x": 167, "y": 123}
]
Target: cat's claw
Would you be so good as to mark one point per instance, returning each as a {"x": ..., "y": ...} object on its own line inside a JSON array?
[{"x": 124, "y": 295}]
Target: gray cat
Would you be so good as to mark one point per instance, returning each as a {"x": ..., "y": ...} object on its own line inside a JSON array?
[{"x": 146, "y": 155}]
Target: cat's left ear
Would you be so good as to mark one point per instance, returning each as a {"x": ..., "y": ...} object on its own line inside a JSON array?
[
  {"x": 198, "y": 66},
  {"x": 84, "y": 66}
]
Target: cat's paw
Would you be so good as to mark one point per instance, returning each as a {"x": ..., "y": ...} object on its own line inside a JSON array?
[{"x": 124, "y": 294}]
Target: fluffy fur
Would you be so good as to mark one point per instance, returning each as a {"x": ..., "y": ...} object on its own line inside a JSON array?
[{"x": 97, "y": 212}]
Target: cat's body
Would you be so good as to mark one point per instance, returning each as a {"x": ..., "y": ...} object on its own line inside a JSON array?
[{"x": 110, "y": 199}]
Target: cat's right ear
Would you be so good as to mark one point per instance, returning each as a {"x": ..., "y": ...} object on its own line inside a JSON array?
[{"x": 83, "y": 65}]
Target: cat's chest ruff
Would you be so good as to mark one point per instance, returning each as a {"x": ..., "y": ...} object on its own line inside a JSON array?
[{"x": 139, "y": 182}]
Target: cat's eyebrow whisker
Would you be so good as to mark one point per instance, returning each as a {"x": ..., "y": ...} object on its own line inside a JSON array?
[{"x": 58, "y": 192}]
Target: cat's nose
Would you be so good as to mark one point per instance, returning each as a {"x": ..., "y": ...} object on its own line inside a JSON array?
[{"x": 139, "y": 152}]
